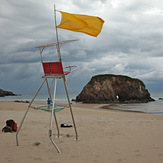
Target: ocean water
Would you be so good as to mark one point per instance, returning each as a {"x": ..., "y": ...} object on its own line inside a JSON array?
[
  {"x": 155, "y": 107},
  {"x": 40, "y": 99}
]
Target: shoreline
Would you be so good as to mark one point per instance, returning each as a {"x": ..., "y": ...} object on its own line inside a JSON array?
[
  {"x": 112, "y": 107},
  {"x": 115, "y": 109}
]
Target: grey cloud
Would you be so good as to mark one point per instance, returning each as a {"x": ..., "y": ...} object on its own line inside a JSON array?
[{"x": 130, "y": 42}]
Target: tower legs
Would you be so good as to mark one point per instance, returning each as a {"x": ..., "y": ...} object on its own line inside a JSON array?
[
  {"x": 53, "y": 114},
  {"x": 21, "y": 123},
  {"x": 73, "y": 120}
]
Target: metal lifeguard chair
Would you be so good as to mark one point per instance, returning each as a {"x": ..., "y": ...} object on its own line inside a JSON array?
[{"x": 56, "y": 71}]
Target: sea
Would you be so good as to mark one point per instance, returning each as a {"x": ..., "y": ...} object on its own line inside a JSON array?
[
  {"x": 154, "y": 107},
  {"x": 40, "y": 98}
]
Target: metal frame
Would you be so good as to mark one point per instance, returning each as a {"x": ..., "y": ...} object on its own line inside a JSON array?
[{"x": 53, "y": 114}]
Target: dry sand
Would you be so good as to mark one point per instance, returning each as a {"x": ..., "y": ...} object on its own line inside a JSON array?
[{"x": 105, "y": 136}]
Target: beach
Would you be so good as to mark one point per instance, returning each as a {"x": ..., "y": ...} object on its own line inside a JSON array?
[{"x": 105, "y": 136}]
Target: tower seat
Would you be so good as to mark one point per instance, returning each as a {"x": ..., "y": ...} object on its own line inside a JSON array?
[{"x": 52, "y": 68}]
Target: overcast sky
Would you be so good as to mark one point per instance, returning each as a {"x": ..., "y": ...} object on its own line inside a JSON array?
[{"x": 130, "y": 43}]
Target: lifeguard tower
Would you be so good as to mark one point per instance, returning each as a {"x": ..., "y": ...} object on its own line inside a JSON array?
[
  {"x": 90, "y": 25},
  {"x": 56, "y": 71}
]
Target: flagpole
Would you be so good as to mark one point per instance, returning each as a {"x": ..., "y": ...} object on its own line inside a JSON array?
[
  {"x": 58, "y": 48},
  {"x": 64, "y": 78}
]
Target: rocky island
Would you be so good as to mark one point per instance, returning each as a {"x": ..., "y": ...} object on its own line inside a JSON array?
[
  {"x": 6, "y": 93},
  {"x": 114, "y": 88}
]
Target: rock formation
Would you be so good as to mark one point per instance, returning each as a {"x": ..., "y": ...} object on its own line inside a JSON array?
[
  {"x": 6, "y": 93},
  {"x": 114, "y": 88}
]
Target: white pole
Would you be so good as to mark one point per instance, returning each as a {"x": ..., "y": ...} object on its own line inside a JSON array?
[
  {"x": 58, "y": 48},
  {"x": 53, "y": 103},
  {"x": 27, "y": 112},
  {"x": 64, "y": 79},
  {"x": 51, "y": 120}
]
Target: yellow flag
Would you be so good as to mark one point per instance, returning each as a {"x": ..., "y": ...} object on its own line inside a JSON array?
[{"x": 90, "y": 25}]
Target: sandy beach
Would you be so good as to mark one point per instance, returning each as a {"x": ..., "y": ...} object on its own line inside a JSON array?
[{"x": 105, "y": 136}]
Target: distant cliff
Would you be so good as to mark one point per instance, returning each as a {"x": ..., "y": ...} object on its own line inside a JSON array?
[
  {"x": 114, "y": 88},
  {"x": 6, "y": 93}
]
